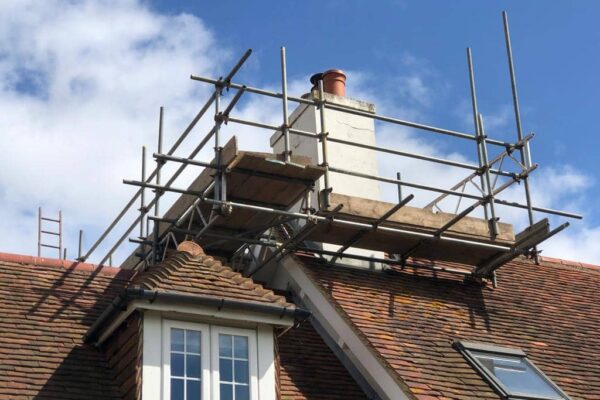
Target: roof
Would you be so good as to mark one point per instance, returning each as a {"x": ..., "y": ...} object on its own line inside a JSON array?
[
  {"x": 47, "y": 305},
  {"x": 45, "y": 308},
  {"x": 193, "y": 272},
  {"x": 308, "y": 369},
  {"x": 411, "y": 318}
]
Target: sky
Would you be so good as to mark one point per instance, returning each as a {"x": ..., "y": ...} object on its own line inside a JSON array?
[{"x": 81, "y": 83}]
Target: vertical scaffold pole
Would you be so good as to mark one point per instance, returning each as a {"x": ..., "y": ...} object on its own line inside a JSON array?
[
  {"x": 489, "y": 194},
  {"x": 143, "y": 195},
  {"x": 158, "y": 162},
  {"x": 219, "y": 175},
  {"x": 323, "y": 136},
  {"x": 477, "y": 131},
  {"x": 513, "y": 84},
  {"x": 399, "y": 178},
  {"x": 285, "y": 128},
  {"x": 80, "y": 247}
]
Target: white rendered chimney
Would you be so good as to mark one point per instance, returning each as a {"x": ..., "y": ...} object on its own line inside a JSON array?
[{"x": 339, "y": 125}]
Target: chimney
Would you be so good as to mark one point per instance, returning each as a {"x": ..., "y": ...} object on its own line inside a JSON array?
[{"x": 340, "y": 125}]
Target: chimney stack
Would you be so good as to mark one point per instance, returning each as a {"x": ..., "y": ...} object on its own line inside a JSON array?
[{"x": 334, "y": 82}]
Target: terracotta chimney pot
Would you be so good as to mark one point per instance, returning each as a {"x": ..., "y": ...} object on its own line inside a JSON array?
[{"x": 334, "y": 82}]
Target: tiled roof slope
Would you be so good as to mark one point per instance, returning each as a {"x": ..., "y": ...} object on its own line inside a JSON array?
[
  {"x": 45, "y": 308},
  {"x": 308, "y": 369},
  {"x": 551, "y": 311},
  {"x": 203, "y": 275}
]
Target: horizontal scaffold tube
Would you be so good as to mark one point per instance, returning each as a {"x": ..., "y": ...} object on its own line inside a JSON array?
[
  {"x": 422, "y": 157},
  {"x": 339, "y": 107},
  {"x": 337, "y": 221}
]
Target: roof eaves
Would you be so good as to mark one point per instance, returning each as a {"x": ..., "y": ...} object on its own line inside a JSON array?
[
  {"x": 69, "y": 265},
  {"x": 119, "y": 305}
]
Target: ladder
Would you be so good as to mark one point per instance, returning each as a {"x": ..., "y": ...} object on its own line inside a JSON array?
[{"x": 44, "y": 233}]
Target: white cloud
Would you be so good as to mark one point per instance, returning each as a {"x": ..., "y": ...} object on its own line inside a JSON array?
[{"x": 80, "y": 88}]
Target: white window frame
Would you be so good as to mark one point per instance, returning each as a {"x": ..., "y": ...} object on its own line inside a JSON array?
[
  {"x": 156, "y": 357},
  {"x": 204, "y": 329},
  {"x": 252, "y": 358}
]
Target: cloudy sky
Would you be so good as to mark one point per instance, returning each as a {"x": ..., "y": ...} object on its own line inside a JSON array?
[{"x": 81, "y": 84}]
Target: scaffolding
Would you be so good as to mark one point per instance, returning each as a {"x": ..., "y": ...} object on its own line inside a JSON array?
[{"x": 223, "y": 210}]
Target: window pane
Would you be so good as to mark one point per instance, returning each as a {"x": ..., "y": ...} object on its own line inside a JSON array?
[
  {"x": 192, "y": 341},
  {"x": 226, "y": 391},
  {"x": 225, "y": 346},
  {"x": 240, "y": 345},
  {"x": 177, "y": 389},
  {"x": 517, "y": 375},
  {"x": 176, "y": 339},
  {"x": 193, "y": 390},
  {"x": 225, "y": 370},
  {"x": 242, "y": 392},
  {"x": 241, "y": 371},
  {"x": 192, "y": 366},
  {"x": 176, "y": 364}
]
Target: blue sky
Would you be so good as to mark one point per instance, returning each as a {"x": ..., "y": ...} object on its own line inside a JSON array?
[
  {"x": 556, "y": 47},
  {"x": 81, "y": 83}
]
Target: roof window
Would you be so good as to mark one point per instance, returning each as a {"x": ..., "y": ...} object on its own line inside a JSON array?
[{"x": 509, "y": 372}]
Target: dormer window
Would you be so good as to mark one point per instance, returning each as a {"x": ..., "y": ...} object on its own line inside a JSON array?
[
  {"x": 201, "y": 360},
  {"x": 509, "y": 372}
]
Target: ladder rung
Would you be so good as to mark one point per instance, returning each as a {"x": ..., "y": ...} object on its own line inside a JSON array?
[
  {"x": 51, "y": 219},
  {"x": 51, "y": 246},
  {"x": 51, "y": 233}
]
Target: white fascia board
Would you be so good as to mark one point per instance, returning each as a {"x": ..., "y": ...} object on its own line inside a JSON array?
[
  {"x": 214, "y": 313},
  {"x": 380, "y": 377},
  {"x": 194, "y": 311}
]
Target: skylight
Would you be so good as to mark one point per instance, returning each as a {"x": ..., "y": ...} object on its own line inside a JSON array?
[{"x": 509, "y": 372}]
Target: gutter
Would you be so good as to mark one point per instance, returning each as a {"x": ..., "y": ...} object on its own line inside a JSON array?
[{"x": 120, "y": 302}]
